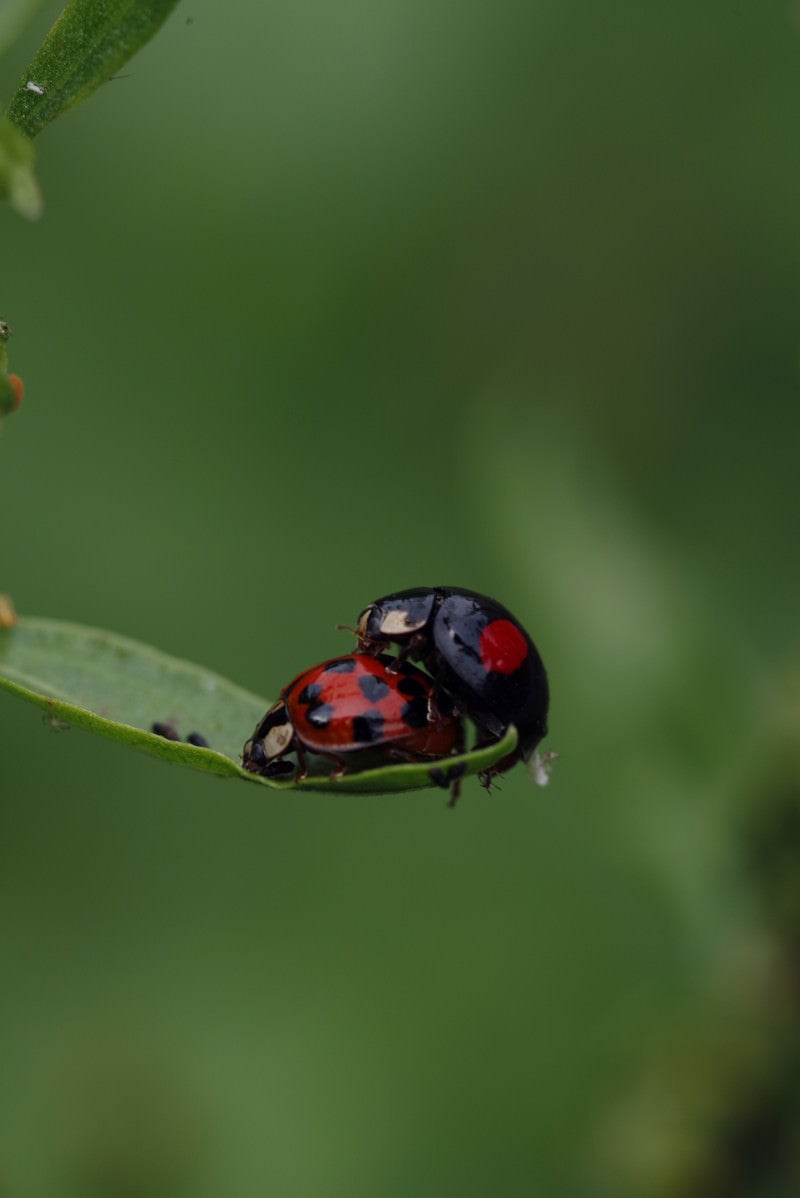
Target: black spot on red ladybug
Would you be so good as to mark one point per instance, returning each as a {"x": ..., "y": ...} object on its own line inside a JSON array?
[
  {"x": 310, "y": 693},
  {"x": 373, "y": 688},
  {"x": 344, "y": 665},
  {"x": 415, "y": 713},
  {"x": 368, "y": 728},
  {"x": 319, "y": 715},
  {"x": 412, "y": 687}
]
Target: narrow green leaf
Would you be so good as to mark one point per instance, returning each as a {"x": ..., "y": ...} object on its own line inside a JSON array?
[
  {"x": 417, "y": 776},
  {"x": 88, "y": 44},
  {"x": 118, "y": 688},
  {"x": 18, "y": 183}
]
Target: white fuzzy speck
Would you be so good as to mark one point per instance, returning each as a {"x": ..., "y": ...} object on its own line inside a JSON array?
[{"x": 539, "y": 767}]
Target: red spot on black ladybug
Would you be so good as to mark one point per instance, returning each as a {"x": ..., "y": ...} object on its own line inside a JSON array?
[{"x": 503, "y": 647}]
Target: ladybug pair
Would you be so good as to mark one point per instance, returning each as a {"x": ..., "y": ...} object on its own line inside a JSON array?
[{"x": 371, "y": 708}]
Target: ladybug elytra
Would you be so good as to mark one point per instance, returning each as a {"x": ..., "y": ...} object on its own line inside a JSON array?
[
  {"x": 475, "y": 650},
  {"x": 353, "y": 710}
]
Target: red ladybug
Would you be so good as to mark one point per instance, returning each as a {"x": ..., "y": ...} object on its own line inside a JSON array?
[
  {"x": 353, "y": 710},
  {"x": 475, "y": 650}
]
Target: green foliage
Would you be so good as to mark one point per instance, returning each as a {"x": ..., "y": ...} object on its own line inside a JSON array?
[
  {"x": 14, "y": 15},
  {"x": 502, "y": 295},
  {"x": 89, "y": 42},
  {"x": 18, "y": 182}
]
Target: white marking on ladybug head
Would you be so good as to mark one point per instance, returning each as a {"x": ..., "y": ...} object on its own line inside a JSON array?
[
  {"x": 397, "y": 623},
  {"x": 278, "y": 739}
]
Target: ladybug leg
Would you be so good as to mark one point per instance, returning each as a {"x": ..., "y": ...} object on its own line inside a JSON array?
[
  {"x": 449, "y": 778},
  {"x": 440, "y": 703},
  {"x": 488, "y": 779},
  {"x": 341, "y": 765},
  {"x": 434, "y": 708},
  {"x": 373, "y": 646},
  {"x": 413, "y": 647},
  {"x": 302, "y": 768},
  {"x": 398, "y": 661},
  {"x": 396, "y": 753}
]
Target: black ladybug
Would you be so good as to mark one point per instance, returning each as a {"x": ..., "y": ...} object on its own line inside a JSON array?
[{"x": 475, "y": 649}]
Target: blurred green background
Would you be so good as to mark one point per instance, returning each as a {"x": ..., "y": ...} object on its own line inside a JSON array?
[{"x": 332, "y": 300}]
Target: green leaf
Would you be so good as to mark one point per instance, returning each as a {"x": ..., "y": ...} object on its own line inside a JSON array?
[
  {"x": 118, "y": 688},
  {"x": 18, "y": 183},
  {"x": 88, "y": 44}
]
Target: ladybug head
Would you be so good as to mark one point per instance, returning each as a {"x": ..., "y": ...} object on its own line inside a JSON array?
[
  {"x": 395, "y": 618},
  {"x": 253, "y": 757},
  {"x": 272, "y": 738}
]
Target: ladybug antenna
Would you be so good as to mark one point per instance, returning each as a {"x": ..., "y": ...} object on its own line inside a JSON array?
[{"x": 346, "y": 628}]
